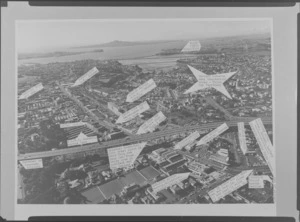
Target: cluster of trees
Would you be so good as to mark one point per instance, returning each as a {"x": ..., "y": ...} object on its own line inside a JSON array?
[
  {"x": 46, "y": 137},
  {"x": 155, "y": 147},
  {"x": 39, "y": 184},
  {"x": 115, "y": 199},
  {"x": 171, "y": 85},
  {"x": 54, "y": 135},
  {"x": 89, "y": 159},
  {"x": 232, "y": 160},
  {"x": 46, "y": 185}
]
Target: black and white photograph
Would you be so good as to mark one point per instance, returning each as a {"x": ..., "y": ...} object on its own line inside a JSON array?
[{"x": 145, "y": 111}]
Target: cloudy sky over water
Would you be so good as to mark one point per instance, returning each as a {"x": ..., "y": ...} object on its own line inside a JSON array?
[{"x": 35, "y": 36}]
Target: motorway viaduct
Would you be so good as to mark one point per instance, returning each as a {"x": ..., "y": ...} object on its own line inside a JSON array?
[{"x": 139, "y": 138}]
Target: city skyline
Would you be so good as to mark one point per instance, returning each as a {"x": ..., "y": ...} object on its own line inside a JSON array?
[{"x": 51, "y": 35}]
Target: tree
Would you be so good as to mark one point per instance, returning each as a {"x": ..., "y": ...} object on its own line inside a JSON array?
[
  {"x": 105, "y": 201},
  {"x": 53, "y": 134},
  {"x": 77, "y": 198},
  {"x": 119, "y": 199},
  {"x": 137, "y": 195},
  {"x": 100, "y": 178},
  {"x": 75, "y": 174}
]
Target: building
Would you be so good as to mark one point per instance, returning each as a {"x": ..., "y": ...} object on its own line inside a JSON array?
[
  {"x": 130, "y": 190},
  {"x": 190, "y": 146},
  {"x": 215, "y": 174},
  {"x": 156, "y": 155},
  {"x": 168, "y": 154},
  {"x": 223, "y": 152},
  {"x": 219, "y": 158},
  {"x": 175, "y": 188},
  {"x": 159, "y": 151},
  {"x": 114, "y": 108},
  {"x": 74, "y": 131},
  {"x": 156, "y": 196},
  {"x": 251, "y": 150},
  {"x": 150, "y": 173},
  {"x": 173, "y": 167},
  {"x": 174, "y": 94},
  {"x": 161, "y": 107},
  {"x": 196, "y": 168}
]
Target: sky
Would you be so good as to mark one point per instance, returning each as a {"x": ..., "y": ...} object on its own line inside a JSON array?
[{"x": 37, "y": 36}]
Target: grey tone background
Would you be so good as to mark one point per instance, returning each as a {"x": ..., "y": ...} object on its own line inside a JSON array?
[{"x": 285, "y": 74}]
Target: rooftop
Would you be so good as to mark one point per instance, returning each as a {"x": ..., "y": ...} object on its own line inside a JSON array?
[
  {"x": 149, "y": 172},
  {"x": 94, "y": 195},
  {"x": 111, "y": 188},
  {"x": 105, "y": 191}
]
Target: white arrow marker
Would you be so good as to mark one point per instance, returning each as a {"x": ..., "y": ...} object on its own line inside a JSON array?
[
  {"x": 31, "y": 91},
  {"x": 32, "y": 164},
  {"x": 86, "y": 77},
  {"x": 124, "y": 156},
  {"x": 132, "y": 113},
  {"x": 152, "y": 123},
  {"x": 192, "y": 46},
  {"x": 140, "y": 91},
  {"x": 257, "y": 181},
  {"x": 229, "y": 186},
  {"x": 187, "y": 141},
  {"x": 169, "y": 181},
  {"x": 213, "y": 134},
  {"x": 264, "y": 143},
  {"x": 242, "y": 137},
  {"x": 210, "y": 81}
]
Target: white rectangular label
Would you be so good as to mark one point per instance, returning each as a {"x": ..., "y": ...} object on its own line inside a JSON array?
[
  {"x": 169, "y": 181},
  {"x": 31, "y": 91},
  {"x": 124, "y": 156},
  {"x": 242, "y": 137},
  {"x": 188, "y": 140},
  {"x": 264, "y": 143},
  {"x": 256, "y": 181},
  {"x": 151, "y": 124},
  {"x": 140, "y": 91},
  {"x": 134, "y": 112},
  {"x": 82, "y": 141},
  {"x": 229, "y": 186},
  {"x": 66, "y": 125},
  {"x": 86, "y": 76},
  {"x": 213, "y": 134},
  {"x": 32, "y": 164}
]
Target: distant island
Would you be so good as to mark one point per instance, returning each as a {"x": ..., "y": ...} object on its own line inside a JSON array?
[
  {"x": 52, "y": 54},
  {"x": 169, "y": 52},
  {"x": 118, "y": 43}
]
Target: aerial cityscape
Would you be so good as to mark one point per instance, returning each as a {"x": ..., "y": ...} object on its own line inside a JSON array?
[{"x": 152, "y": 120}]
